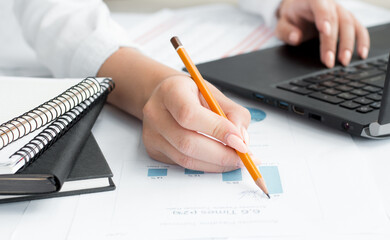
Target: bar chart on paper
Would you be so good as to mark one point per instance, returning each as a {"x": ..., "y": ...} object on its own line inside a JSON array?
[
  {"x": 269, "y": 173},
  {"x": 157, "y": 172},
  {"x": 257, "y": 115}
]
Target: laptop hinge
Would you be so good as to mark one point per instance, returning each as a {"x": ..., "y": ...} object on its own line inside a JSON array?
[{"x": 376, "y": 130}]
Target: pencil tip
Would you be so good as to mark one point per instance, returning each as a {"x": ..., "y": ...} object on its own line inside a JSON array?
[
  {"x": 269, "y": 197},
  {"x": 261, "y": 184}
]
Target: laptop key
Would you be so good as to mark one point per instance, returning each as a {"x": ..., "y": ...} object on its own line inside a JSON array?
[
  {"x": 344, "y": 88},
  {"x": 365, "y": 74},
  {"x": 350, "y": 105},
  {"x": 331, "y": 91},
  {"x": 376, "y": 105},
  {"x": 359, "y": 92},
  {"x": 371, "y": 89},
  {"x": 300, "y": 83},
  {"x": 375, "y": 97},
  {"x": 347, "y": 96},
  {"x": 315, "y": 80},
  {"x": 356, "y": 84},
  {"x": 341, "y": 80},
  {"x": 295, "y": 89},
  {"x": 326, "y": 98},
  {"x": 340, "y": 73},
  {"x": 364, "y": 66},
  {"x": 363, "y": 101},
  {"x": 316, "y": 87},
  {"x": 329, "y": 84},
  {"x": 324, "y": 77},
  {"x": 364, "y": 109},
  {"x": 311, "y": 80},
  {"x": 377, "y": 81},
  {"x": 350, "y": 70}
]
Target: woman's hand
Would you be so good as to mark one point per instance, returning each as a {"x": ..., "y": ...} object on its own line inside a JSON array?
[
  {"x": 176, "y": 114},
  {"x": 300, "y": 20}
]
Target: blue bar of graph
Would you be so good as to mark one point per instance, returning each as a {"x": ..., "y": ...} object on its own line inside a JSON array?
[
  {"x": 272, "y": 179},
  {"x": 235, "y": 175},
  {"x": 189, "y": 171},
  {"x": 257, "y": 115},
  {"x": 157, "y": 172}
]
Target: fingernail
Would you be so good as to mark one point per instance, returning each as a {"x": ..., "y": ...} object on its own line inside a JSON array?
[
  {"x": 329, "y": 59},
  {"x": 245, "y": 135},
  {"x": 327, "y": 27},
  {"x": 364, "y": 52},
  {"x": 347, "y": 57},
  {"x": 293, "y": 38},
  {"x": 236, "y": 143}
]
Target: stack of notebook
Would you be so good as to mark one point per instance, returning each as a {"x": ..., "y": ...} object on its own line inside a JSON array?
[{"x": 47, "y": 149}]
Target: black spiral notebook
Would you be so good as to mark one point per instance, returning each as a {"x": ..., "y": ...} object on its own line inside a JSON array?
[
  {"x": 53, "y": 156},
  {"x": 82, "y": 178}
]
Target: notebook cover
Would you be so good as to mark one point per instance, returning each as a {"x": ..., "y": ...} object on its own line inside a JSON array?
[
  {"x": 58, "y": 160},
  {"x": 89, "y": 164}
]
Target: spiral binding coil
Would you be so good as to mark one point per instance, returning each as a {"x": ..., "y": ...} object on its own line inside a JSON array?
[
  {"x": 60, "y": 126},
  {"x": 48, "y": 111}
]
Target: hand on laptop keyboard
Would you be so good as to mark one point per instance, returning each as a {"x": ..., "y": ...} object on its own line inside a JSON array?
[{"x": 301, "y": 20}]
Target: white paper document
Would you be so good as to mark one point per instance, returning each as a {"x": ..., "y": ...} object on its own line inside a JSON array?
[{"x": 325, "y": 194}]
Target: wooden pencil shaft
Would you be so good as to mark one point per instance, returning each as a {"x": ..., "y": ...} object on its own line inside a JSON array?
[
  {"x": 215, "y": 107},
  {"x": 211, "y": 101},
  {"x": 249, "y": 165}
]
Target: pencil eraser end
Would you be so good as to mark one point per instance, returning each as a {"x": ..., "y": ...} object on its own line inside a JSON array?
[{"x": 175, "y": 42}]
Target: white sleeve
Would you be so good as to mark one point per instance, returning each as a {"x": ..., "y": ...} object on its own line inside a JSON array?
[
  {"x": 266, "y": 8},
  {"x": 72, "y": 38}
]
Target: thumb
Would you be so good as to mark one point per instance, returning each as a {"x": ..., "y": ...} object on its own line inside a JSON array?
[
  {"x": 288, "y": 32},
  {"x": 240, "y": 117}
]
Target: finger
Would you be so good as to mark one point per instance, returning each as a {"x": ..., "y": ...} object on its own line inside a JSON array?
[
  {"x": 237, "y": 114},
  {"x": 193, "y": 144},
  {"x": 347, "y": 36},
  {"x": 192, "y": 116},
  {"x": 169, "y": 154},
  {"x": 324, "y": 15},
  {"x": 363, "y": 39},
  {"x": 288, "y": 32},
  {"x": 194, "y": 164},
  {"x": 152, "y": 142},
  {"x": 326, "y": 21},
  {"x": 239, "y": 118}
]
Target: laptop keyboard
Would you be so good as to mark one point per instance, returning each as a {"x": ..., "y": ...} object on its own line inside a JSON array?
[{"x": 357, "y": 88}]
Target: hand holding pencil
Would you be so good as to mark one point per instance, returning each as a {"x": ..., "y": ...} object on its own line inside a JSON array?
[{"x": 216, "y": 108}]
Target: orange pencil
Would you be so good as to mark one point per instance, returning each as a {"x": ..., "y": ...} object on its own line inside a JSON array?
[{"x": 213, "y": 104}]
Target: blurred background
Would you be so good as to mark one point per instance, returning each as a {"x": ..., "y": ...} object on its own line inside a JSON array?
[{"x": 154, "y": 5}]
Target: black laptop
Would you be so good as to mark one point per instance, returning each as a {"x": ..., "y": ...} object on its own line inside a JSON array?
[{"x": 354, "y": 99}]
